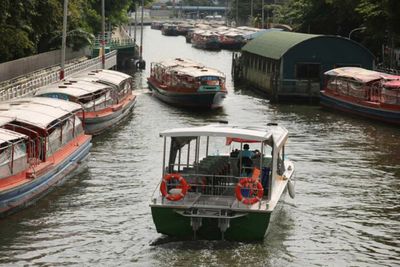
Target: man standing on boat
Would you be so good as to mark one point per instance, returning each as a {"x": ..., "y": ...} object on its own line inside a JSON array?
[{"x": 245, "y": 162}]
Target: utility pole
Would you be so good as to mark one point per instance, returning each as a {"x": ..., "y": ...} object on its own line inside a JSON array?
[
  {"x": 226, "y": 12},
  {"x": 103, "y": 33},
  {"x": 237, "y": 13},
  {"x": 141, "y": 64},
  {"x": 262, "y": 14},
  {"x": 64, "y": 39},
  {"x": 134, "y": 30},
  {"x": 251, "y": 11}
]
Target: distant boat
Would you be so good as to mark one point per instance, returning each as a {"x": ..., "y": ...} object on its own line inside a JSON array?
[
  {"x": 363, "y": 92},
  {"x": 185, "y": 83},
  {"x": 231, "y": 40},
  {"x": 183, "y": 28},
  {"x": 156, "y": 25},
  {"x": 206, "y": 40},
  {"x": 169, "y": 29},
  {"x": 105, "y": 95},
  {"x": 209, "y": 191},
  {"x": 42, "y": 142}
]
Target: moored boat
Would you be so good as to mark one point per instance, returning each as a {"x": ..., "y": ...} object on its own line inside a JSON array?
[
  {"x": 156, "y": 25},
  {"x": 42, "y": 142},
  {"x": 363, "y": 92},
  {"x": 205, "y": 40},
  {"x": 169, "y": 29},
  {"x": 231, "y": 40},
  {"x": 106, "y": 97},
  {"x": 183, "y": 28},
  {"x": 210, "y": 189},
  {"x": 185, "y": 83}
]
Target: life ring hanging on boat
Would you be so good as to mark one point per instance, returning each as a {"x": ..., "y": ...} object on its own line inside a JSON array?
[
  {"x": 250, "y": 184},
  {"x": 182, "y": 185}
]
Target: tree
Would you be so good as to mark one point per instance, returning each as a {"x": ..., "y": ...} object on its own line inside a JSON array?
[
  {"x": 33, "y": 26},
  {"x": 339, "y": 17}
]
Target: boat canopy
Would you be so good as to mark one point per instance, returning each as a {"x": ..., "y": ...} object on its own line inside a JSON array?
[
  {"x": 7, "y": 136},
  {"x": 76, "y": 89},
  {"x": 199, "y": 72},
  {"x": 359, "y": 74},
  {"x": 190, "y": 68},
  {"x": 107, "y": 76},
  {"x": 393, "y": 84},
  {"x": 252, "y": 134},
  {"x": 67, "y": 106},
  {"x": 179, "y": 62},
  {"x": 41, "y": 112}
]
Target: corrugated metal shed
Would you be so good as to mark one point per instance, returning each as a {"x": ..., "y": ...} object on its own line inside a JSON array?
[{"x": 275, "y": 44}]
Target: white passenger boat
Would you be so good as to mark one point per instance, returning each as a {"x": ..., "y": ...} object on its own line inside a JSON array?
[
  {"x": 105, "y": 95},
  {"x": 41, "y": 143},
  {"x": 208, "y": 194}
]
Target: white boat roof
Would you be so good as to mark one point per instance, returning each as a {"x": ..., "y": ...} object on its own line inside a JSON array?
[
  {"x": 109, "y": 76},
  {"x": 191, "y": 68},
  {"x": 179, "y": 62},
  {"x": 206, "y": 33},
  {"x": 77, "y": 88},
  {"x": 359, "y": 74},
  {"x": 38, "y": 111},
  {"x": 8, "y": 135},
  {"x": 198, "y": 72},
  {"x": 278, "y": 133}
]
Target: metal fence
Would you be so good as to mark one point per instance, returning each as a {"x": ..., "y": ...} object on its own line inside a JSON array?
[{"x": 29, "y": 86}]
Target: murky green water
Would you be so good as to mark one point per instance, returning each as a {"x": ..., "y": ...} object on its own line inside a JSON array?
[{"x": 346, "y": 211}]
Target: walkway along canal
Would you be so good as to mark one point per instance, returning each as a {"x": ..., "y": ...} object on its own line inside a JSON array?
[{"x": 345, "y": 212}]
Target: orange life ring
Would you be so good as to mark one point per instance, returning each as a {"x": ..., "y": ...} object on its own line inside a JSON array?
[
  {"x": 249, "y": 183},
  {"x": 182, "y": 185}
]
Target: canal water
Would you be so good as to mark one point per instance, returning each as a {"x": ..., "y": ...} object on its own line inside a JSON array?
[{"x": 346, "y": 211}]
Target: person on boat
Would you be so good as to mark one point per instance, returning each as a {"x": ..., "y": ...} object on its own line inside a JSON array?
[
  {"x": 244, "y": 158},
  {"x": 246, "y": 153}
]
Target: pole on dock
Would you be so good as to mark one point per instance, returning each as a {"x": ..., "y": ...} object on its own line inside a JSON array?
[
  {"x": 237, "y": 13},
  {"x": 134, "y": 29},
  {"x": 103, "y": 33},
  {"x": 64, "y": 39},
  {"x": 226, "y": 12},
  {"x": 251, "y": 12},
  {"x": 262, "y": 15},
  {"x": 141, "y": 64}
]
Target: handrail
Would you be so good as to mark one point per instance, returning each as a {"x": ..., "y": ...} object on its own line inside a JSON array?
[{"x": 24, "y": 88}]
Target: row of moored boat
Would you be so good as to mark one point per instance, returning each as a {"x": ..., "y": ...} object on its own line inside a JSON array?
[
  {"x": 209, "y": 36},
  {"x": 43, "y": 139}
]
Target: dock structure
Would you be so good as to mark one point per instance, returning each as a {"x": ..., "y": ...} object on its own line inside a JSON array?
[
  {"x": 120, "y": 41},
  {"x": 288, "y": 65},
  {"x": 27, "y": 84}
]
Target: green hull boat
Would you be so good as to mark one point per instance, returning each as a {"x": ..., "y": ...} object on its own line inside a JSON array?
[{"x": 230, "y": 196}]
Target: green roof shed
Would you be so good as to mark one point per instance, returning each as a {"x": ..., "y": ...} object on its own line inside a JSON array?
[{"x": 288, "y": 60}]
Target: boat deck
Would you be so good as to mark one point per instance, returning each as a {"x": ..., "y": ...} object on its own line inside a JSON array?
[{"x": 199, "y": 201}]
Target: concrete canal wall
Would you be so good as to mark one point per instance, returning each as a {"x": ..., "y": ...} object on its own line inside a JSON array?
[{"x": 22, "y": 66}]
